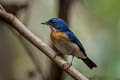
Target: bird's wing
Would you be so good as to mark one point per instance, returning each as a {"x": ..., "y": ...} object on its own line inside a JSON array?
[{"x": 74, "y": 39}]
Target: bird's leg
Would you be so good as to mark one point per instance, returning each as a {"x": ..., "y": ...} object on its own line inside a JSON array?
[
  {"x": 72, "y": 60},
  {"x": 72, "y": 56}
]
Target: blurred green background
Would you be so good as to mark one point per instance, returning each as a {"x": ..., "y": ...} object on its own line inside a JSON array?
[{"x": 95, "y": 22}]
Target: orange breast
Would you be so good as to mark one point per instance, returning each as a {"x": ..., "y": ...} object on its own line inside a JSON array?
[{"x": 57, "y": 36}]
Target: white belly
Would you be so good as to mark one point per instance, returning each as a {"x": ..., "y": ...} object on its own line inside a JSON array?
[{"x": 69, "y": 49}]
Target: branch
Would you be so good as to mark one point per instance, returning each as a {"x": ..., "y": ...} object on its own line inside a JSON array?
[
  {"x": 17, "y": 25},
  {"x": 14, "y": 8},
  {"x": 32, "y": 56},
  {"x": 2, "y": 8}
]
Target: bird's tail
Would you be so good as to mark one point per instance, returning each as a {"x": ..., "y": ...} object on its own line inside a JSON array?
[{"x": 89, "y": 63}]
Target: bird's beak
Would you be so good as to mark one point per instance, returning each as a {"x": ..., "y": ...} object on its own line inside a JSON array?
[{"x": 45, "y": 23}]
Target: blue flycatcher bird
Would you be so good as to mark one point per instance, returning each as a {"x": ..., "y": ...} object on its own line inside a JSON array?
[{"x": 66, "y": 42}]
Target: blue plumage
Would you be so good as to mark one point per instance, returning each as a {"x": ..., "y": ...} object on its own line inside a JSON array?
[
  {"x": 59, "y": 24},
  {"x": 74, "y": 39},
  {"x": 66, "y": 42}
]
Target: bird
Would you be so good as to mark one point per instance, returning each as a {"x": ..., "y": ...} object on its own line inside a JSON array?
[{"x": 66, "y": 42}]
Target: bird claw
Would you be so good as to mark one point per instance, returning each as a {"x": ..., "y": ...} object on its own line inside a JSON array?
[
  {"x": 70, "y": 64},
  {"x": 67, "y": 65}
]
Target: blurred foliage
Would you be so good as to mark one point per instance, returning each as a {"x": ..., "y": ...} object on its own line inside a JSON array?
[{"x": 95, "y": 22}]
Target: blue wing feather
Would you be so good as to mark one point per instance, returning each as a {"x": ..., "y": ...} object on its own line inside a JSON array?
[{"x": 76, "y": 41}]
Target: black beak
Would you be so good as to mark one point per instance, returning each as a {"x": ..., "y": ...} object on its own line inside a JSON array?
[{"x": 45, "y": 23}]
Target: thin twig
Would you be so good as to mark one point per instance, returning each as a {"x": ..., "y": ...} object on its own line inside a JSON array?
[
  {"x": 17, "y": 25},
  {"x": 2, "y": 8}
]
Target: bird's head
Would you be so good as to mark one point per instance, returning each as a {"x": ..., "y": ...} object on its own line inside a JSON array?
[{"x": 57, "y": 23}]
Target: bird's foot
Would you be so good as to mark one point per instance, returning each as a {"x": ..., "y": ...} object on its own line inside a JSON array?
[
  {"x": 67, "y": 65},
  {"x": 70, "y": 64}
]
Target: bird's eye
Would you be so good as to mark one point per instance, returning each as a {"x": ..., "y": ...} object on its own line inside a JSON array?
[{"x": 52, "y": 22}]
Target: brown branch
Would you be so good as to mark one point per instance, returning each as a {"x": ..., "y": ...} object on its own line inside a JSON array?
[
  {"x": 2, "y": 8},
  {"x": 14, "y": 8},
  {"x": 17, "y": 25},
  {"x": 11, "y": 8}
]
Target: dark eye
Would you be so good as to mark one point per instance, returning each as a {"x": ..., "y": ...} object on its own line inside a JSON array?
[{"x": 52, "y": 22}]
